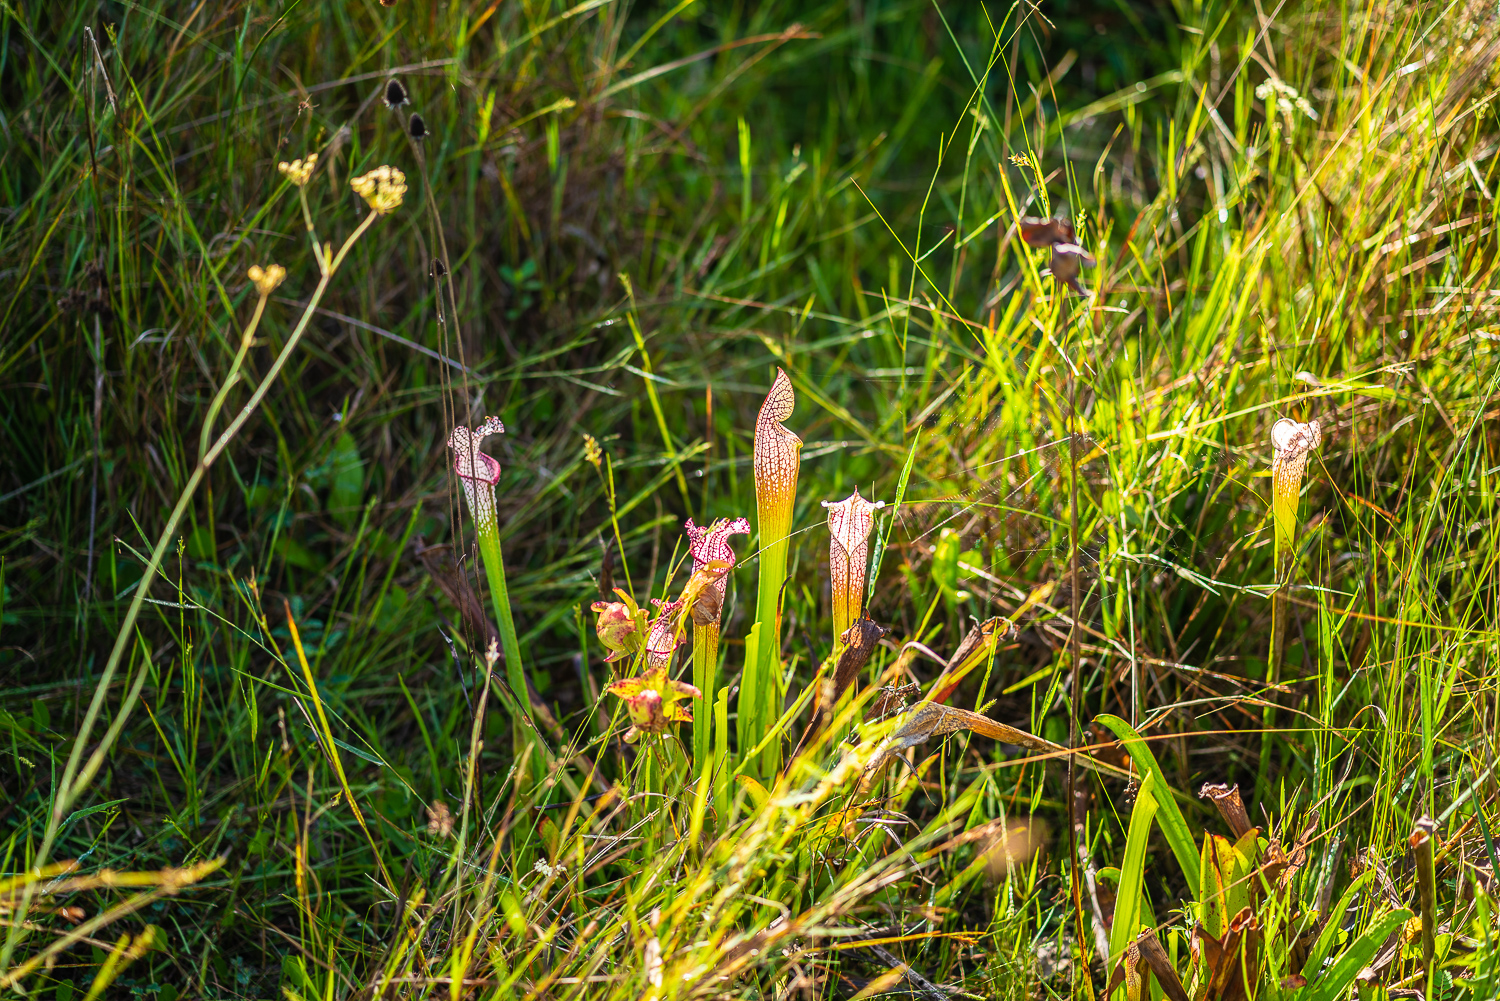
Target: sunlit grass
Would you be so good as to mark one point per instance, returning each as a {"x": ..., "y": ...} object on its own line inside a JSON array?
[{"x": 1054, "y": 288}]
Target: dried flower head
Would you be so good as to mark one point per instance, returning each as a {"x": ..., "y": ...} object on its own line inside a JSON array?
[
  {"x": 416, "y": 127},
  {"x": 620, "y": 626},
  {"x": 439, "y": 820},
  {"x": 710, "y": 546},
  {"x": 395, "y": 94},
  {"x": 299, "y": 171},
  {"x": 382, "y": 188},
  {"x": 266, "y": 278},
  {"x": 653, "y": 700},
  {"x": 1277, "y": 93},
  {"x": 849, "y": 524},
  {"x": 477, "y": 472}
]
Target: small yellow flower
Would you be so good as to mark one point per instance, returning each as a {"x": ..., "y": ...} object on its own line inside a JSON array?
[
  {"x": 266, "y": 278},
  {"x": 299, "y": 171},
  {"x": 382, "y": 188},
  {"x": 592, "y": 453}
]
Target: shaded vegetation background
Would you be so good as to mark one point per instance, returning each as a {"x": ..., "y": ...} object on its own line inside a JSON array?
[{"x": 648, "y": 209}]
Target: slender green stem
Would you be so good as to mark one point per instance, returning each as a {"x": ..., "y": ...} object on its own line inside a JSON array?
[
  {"x": 476, "y": 743},
  {"x": 494, "y": 571},
  {"x": 705, "y": 671},
  {"x": 763, "y": 685},
  {"x": 72, "y": 783}
]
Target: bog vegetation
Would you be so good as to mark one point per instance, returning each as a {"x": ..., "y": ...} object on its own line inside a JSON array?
[{"x": 763, "y": 500}]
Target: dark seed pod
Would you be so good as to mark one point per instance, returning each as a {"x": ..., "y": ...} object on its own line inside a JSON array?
[
  {"x": 395, "y": 94},
  {"x": 416, "y": 127}
]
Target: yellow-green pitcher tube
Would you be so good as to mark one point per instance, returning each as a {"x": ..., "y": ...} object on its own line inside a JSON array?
[
  {"x": 711, "y": 553},
  {"x": 777, "y": 461},
  {"x": 1293, "y": 442}
]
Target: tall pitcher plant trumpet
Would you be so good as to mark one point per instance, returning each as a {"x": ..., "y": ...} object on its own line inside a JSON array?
[
  {"x": 710, "y": 548},
  {"x": 778, "y": 456},
  {"x": 478, "y": 473},
  {"x": 1293, "y": 442}
]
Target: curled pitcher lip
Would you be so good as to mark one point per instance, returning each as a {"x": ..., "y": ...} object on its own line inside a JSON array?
[
  {"x": 850, "y": 522},
  {"x": 1293, "y": 443},
  {"x": 777, "y": 455},
  {"x": 477, "y": 472},
  {"x": 709, "y": 545}
]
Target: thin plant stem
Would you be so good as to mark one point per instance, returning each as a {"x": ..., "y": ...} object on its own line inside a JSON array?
[
  {"x": 72, "y": 783},
  {"x": 494, "y": 571},
  {"x": 1074, "y": 844},
  {"x": 476, "y": 744}
]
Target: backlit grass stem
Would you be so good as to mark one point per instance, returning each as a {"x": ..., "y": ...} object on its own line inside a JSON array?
[{"x": 72, "y": 782}]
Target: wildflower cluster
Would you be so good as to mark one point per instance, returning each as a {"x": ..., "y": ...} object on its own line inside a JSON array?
[
  {"x": 382, "y": 188},
  {"x": 299, "y": 172},
  {"x": 266, "y": 278},
  {"x": 1276, "y": 91}
]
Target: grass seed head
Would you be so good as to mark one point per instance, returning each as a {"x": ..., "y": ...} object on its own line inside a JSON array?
[
  {"x": 299, "y": 172},
  {"x": 382, "y": 188},
  {"x": 395, "y": 94},
  {"x": 592, "y": 453},
  {"x": 416, "y": 127},
  {"x": 266, "y": 278}
]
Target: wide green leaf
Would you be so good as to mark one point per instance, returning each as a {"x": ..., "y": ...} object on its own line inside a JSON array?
[
  {"x": 1333, "y": 984},
  {"x": 1179, "y": 836}
]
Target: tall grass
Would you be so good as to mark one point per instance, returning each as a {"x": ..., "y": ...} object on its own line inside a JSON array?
[{"x": 621, "y": 223}]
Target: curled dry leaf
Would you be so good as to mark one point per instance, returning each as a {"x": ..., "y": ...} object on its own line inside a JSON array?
[
  {"x": 928, "y": 719},
  {"x": 858, "y": 642},
  {"x": 1230, "y": 806},
  {"x": 1068, "y": 257}
]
